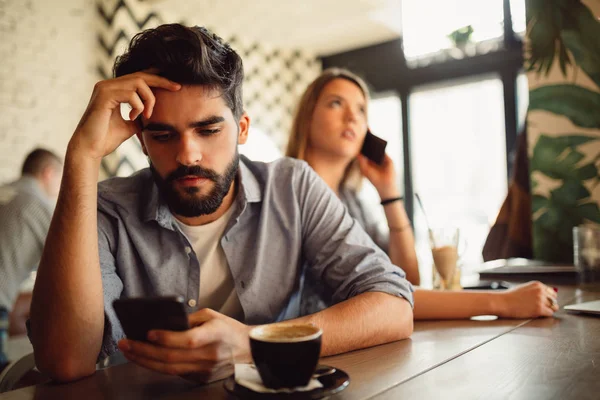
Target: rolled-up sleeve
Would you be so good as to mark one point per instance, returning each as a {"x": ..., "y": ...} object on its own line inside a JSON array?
[
  {"x": 339, "y": 252},
  {"x": 111, "y": 284}
]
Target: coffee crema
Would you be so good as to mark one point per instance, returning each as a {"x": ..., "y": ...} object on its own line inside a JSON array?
[{"x": 285, "y": 333}]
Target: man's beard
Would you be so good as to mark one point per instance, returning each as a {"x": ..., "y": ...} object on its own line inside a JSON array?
[{"x": 192, "y": 204}]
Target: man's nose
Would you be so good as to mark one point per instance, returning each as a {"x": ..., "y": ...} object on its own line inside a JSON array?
[{"x": 189, "y": 151}]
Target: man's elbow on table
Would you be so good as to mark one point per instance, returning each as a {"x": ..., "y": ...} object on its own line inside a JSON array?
[
  {"x": 64, "y": 368},
  {"x": 403, "y": 325},
  {"x": 394, "y": 317}
]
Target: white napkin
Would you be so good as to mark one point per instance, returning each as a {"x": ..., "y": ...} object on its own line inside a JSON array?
[{"x": 247, "y": 376}]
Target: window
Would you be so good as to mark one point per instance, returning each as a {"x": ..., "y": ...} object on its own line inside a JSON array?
[
  {"x": 517, "y": 13},
  {"x": 459, "y": 162},
  {"x": 435, "y": 31},
  {"x": 522, "y": 100}
]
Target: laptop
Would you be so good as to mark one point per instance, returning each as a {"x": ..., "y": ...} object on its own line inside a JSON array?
[
  {"x": 524, "y": 268},
  {"x": 589, "y": 307}
]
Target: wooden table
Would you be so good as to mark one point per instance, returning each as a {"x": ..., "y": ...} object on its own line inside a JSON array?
[
  {"x": 543, "y": 358},
  {"x": 548, "y": 358}
]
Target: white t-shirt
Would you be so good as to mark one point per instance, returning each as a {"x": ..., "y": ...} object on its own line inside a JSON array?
[{"x": 217, "y": 290}]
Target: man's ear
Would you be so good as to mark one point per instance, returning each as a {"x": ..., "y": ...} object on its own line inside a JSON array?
[
  {"x": 244, "y": 125},
  {"x": 140, "y": 126}
]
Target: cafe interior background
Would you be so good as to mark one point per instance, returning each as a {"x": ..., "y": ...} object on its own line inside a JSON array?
[{"x": 452, "y": 82}]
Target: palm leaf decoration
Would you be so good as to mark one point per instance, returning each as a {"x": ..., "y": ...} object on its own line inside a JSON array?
[
  {"x": 579, "y": 104},
  {"x": 569, "y": 204},
  {"x": 566, "y": 29}
]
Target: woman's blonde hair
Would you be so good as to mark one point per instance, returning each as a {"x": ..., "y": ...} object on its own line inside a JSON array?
[{"x": 298, "y": 140}]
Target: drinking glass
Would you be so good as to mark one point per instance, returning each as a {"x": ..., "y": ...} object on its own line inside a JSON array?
[
  {"x": 444, "y": 249},
  {"x": 586, "y": 253}
]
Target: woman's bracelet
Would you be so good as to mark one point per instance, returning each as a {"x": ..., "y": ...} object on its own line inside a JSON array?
[
  {"x": 399, "y": 228},
  {"x": 392, "y": 200}
]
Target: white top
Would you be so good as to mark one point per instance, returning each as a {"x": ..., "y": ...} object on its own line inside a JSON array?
[{"x": 217, "y": 290}]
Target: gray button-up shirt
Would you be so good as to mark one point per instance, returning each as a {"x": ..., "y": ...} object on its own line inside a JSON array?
[{"x": 286, "y": 218}]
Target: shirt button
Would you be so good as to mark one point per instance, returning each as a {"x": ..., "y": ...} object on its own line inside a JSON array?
[
  {"x": 192, "y": 303},
  {"x": 188, "y": 249}
]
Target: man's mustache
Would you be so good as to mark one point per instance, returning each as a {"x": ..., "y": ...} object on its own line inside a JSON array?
[{"x": 183, "y": 171}]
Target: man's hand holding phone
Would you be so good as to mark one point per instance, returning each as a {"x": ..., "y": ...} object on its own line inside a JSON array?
[{"x": 204, "y": 353}]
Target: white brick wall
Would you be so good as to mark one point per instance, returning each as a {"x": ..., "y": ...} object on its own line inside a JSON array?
[{"x": 47, "y": 72}]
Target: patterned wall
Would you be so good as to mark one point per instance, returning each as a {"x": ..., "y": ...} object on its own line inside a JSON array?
[
  {"x": 275, "y": 77},
  {"x": 118, "y": 22}
]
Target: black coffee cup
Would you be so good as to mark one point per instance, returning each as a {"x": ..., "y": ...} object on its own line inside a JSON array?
[{"x": 285, "y": 355}]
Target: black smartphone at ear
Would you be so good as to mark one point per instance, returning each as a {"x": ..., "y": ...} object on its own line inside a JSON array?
[
  {"x": 374, "y": 148},
  {"x": 142, "y": 314}
]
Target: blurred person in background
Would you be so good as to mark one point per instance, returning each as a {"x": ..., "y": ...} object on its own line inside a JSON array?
[
  {"x": 26, "y": 207},
  {"x": 327, "y": 132}
]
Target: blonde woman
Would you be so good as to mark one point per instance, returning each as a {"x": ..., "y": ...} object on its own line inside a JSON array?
[{"x": 327, "y": 132}]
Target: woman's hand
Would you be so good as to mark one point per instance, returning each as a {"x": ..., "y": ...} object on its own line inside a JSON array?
[
  {"x": 204, "y": 353},
  {"x": 383, "y": 176},
  {"x": 101, "y": 128},
  {"x": 529, "y": 300}
]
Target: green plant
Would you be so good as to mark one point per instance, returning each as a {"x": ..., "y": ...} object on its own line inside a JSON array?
[
  {"x": 565, "y": 30},
  {"x": 557, "y": 27},
  {"x": 568, "y": 205},
  {"x": 461, "y": 36}
]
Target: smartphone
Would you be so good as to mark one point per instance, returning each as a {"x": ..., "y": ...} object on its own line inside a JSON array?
[
  {"x": 374, "y": 148},
  {"x": 142, "y": 314}
]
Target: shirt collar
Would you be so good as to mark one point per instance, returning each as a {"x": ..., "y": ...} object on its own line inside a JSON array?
[
  {"x": 250, "y": 186},
  {"x": 155, "y": 208}
]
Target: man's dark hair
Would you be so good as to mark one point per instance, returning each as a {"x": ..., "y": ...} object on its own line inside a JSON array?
[
  {"x": 189, "y": 56},
  {"x": 37, "y": 160}
]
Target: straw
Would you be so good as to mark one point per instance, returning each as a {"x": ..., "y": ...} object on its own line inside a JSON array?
[{"x": 426, "y": 220}]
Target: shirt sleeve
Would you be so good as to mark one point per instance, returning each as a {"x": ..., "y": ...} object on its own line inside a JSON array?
[
  {"x": 338, "y": 250},
  {"x": 111, "y": 284}
]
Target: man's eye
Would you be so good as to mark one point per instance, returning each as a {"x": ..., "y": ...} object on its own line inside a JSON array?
[
  {"x": 162, "y": 137},
  {"x": 209, "y": 132}
]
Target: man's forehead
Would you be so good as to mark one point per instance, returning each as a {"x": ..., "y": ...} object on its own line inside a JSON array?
[
  {"x": 202, "y": 91},
  {"x": 191, "y": 102},
  {"x": 200, "y": 96}
]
